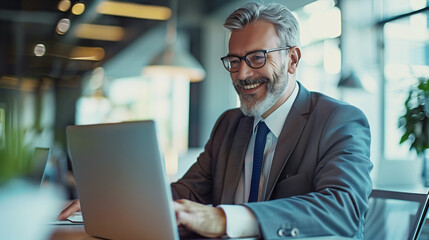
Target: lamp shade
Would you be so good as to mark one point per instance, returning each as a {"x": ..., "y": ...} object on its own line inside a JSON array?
[
  {"x": 175, "y": 61},
  {"x": 350, "y": 81}
]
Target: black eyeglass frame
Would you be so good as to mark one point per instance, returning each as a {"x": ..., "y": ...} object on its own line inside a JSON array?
[{"x": 265, "y": 51}]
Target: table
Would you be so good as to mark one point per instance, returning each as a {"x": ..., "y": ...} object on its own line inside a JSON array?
[
  {"x": 77, "y": 232},
  {"x": 69, "y": 232}
]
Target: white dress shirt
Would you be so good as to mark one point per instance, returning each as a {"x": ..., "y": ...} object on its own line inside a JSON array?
[{"x": 240, "y": 221}]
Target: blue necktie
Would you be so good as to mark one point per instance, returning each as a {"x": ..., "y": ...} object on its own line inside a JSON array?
[{"x": 258, "y": 154}]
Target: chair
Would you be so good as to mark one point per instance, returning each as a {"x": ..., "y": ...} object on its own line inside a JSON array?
[{"x": 395, "y": 215}]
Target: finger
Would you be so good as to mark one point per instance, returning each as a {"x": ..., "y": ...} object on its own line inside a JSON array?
[
  {"x": 206, "y": 221},
  {"x": 177, "y": 204},
  {"x": 183, "y": 201},
  {"x": 70, "y": 210},
  {"x": 184, "y": 218},
  {"x": 184, "y": 205},
  {"x": 177, "y": 209},
  {"x": 183, "y": 209}
]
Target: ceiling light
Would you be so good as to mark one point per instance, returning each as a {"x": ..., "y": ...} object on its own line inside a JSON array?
[
  {"x": 134, "y": 10},
  {"x": 350, "y": 80},
  {"x": 173, "y": 60},
  {"x": 64, "y": 5},
  {"x": 63, "y": 26},
  {"x": 99, "y": 32},
  {"x": 28, "y": 84},
  {"x": 39, "y": 50},
  {"x": 9, "y": 82},
  {"x": 78, "y": 8},
  {"x": 87, "y": 53}
]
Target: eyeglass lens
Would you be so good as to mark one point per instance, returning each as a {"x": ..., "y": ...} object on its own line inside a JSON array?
[{"x": 254, "y": 60}]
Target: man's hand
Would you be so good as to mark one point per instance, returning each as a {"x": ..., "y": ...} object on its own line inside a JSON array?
[
  {"x": 204, "y": 220},
  {"x": 69, "y": 210}
]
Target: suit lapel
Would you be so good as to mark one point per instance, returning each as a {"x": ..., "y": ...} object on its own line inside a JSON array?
[
  {"x": 236, "y": 157},
  {"x": 289, "y": 136}
]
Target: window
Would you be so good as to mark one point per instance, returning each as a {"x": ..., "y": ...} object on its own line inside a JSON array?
[
  {"x": 406, "y": 58},
  {"x": 320, "y": 25}
]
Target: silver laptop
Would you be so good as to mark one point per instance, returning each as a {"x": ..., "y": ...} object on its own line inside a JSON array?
[
  {"x": 395, "y": 215},
  {"x": 39, "y": 162},
  {"x": 121, "y": 181}
]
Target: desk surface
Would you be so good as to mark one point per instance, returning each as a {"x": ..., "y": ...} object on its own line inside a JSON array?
[
  {"x": 69, "y": 232},
  {"x": 77, "y": 232}
]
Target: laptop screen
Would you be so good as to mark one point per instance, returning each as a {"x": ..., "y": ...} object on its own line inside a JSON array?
[
  {"x": 38, "y": 163},
  {"x": 395, "y": 215},
  {"x": 121, "y": 181}
]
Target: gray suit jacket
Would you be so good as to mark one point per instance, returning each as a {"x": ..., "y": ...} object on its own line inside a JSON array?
[{"x": 319, "y": 181}]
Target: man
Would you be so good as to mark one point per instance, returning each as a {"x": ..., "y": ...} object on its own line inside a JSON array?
[{"x": 314, "y": 177}]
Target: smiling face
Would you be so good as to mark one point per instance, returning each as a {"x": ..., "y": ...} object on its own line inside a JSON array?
[{"x": 262, "y": 90}]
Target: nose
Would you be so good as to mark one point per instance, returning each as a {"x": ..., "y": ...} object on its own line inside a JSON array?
[{"x": 245, "y": 71}]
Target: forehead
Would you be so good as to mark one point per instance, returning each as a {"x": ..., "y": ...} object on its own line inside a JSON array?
[{"x": 257, "y": 35}]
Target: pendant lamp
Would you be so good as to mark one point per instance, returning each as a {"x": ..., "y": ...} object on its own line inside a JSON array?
[
  {"x": 174, "y": 60},
  {"x": 350, "y": 81}
]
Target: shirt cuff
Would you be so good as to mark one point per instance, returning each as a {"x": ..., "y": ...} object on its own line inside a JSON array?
[{"x": 240, "y": 221}]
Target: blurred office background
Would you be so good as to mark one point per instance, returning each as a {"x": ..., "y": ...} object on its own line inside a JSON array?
[{"x": 66, "y": 62}]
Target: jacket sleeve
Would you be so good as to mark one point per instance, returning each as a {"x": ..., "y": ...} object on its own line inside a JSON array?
[{"x": 342, "y": 185}]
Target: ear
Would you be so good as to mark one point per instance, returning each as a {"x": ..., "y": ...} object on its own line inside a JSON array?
[{"x": 295, "y": 56}]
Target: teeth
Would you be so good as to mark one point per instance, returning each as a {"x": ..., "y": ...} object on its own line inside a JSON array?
[{"x": 251, "y": 86}]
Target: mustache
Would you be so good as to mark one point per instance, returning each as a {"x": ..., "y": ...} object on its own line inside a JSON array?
[{"x": 240, "y": 82}]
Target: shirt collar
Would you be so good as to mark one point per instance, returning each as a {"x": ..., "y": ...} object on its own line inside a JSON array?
[{"x": 276, "y": 120}]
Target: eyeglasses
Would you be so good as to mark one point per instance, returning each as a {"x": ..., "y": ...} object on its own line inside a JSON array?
[{"x": 255, "y": 59}]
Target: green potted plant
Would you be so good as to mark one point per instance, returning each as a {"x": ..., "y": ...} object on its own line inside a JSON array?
[
  {"x": 15, "y": 159},
  {"x": 29, "y": 203},
  {"x": 415, "y": 123}
]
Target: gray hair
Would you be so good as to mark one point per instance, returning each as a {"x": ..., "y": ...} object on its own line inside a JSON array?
[{"x": 286, "y": 24}]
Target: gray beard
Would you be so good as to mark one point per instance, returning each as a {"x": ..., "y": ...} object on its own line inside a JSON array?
[{"x": 275, "y": 89}]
